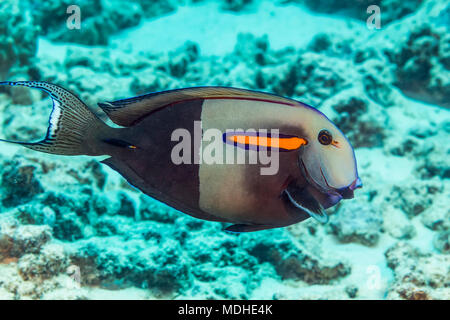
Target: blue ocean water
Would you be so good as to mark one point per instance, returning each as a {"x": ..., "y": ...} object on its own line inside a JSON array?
[{"x": 74, "y": 228}]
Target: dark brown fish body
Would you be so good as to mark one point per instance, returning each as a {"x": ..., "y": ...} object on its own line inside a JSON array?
[
  {"x": 142, "y": 152},
  {"x": 247, "y": 199}
]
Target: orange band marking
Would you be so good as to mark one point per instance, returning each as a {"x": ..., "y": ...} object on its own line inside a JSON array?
[{"x": 291, "y": 143}]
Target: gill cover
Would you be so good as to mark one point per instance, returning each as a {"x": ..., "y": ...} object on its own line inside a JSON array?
[{"x": 301, "y": 198}]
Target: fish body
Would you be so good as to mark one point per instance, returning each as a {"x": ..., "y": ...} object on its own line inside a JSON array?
[{"x": 314, "y": 169}]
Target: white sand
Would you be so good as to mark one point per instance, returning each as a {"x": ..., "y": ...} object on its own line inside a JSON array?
[{"x": 216, "y": 31}]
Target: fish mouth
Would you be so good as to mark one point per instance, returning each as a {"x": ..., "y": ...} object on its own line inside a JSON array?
[
  {"x": 347, "y": 192},
  {"x": 314, "y": 198},
  {"x": 341, "y": 193}
]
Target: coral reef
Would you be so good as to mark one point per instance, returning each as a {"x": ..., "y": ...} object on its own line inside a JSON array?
[
  {"x": 19, "y": 184},
  {"x": 391, "y": 9},
  {"x": 354, "y": 222},
  {"x": 423, "y": 65},
  {"x": 418, "y": 276},
  {"x": 17, "y": 38},
  {"x": 74, "y": 229}
]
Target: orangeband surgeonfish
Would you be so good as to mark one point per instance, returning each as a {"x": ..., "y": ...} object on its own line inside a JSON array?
[{"x": 315, "y": 163}]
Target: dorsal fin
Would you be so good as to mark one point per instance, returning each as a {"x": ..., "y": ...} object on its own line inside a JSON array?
[{"x": 127, "y": 112}]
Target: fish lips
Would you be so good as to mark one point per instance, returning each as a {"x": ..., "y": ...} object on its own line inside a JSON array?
[
  {"x": 330, "y": 196},
  {"x": 347, "y": 192}
]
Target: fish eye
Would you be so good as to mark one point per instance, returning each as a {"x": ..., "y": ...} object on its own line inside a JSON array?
[{"x": 325, "y": 137}]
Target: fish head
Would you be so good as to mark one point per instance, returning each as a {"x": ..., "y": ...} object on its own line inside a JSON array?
[{"x": 328, "y": 160}]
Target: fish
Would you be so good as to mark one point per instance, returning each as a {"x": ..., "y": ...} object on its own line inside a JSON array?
[{"x": 315, "y": 165}]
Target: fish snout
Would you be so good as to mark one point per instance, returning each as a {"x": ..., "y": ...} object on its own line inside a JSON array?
[{"x": 347, "y": 192}]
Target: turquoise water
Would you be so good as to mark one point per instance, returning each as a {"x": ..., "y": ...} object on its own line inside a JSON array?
[{"x": 73, "y": 228}]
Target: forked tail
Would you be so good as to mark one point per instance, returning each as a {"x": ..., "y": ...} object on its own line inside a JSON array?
[{"x": 73, "y": 128}]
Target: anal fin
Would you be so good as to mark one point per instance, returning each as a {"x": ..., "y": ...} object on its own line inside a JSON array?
[{"x": 238, "y": 228}]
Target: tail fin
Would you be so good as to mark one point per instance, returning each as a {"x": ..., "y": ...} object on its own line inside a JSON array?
[{"x": 72, "y": 126}]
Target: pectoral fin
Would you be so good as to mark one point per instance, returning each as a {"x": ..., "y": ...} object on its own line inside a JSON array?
[{"x": 303, "y": 200}]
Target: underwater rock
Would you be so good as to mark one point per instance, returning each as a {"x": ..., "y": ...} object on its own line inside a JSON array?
[
  {"x": 355, "y": 222},
  {"x": 34, "y": 275},
  {"x": 423, "y": 71},
  {"x": 220, "y": 251},
  {"x": 106, "y": 226},
  {"x": 162, "y": 269},
  {"x": 147, "y": 81},
  {"x": 252, "y": 49},
  {"x": 50, "y": 261},
  {"x": 151, "y": 210},
  {"x": 390, "y": 9},
  {"x": 396, "y": 9},
  {"x": 34, "y": 213},
  {"x": 53, "y": 14},
  {"x": 124, "y": 14},
  {"x": 153, "y": 8},
  {"x": 93, "y": 59},
  {"x": 96, "y": 28},
  {"x": 361, "y": 120},
  {"x": 293, "y": 262},
  {"x": 235, "y": 5},
  {"x": 13, "y": 286},
  {"x": 312, "y": 76},
  {"x": 71, "y": 214},
  {"x": 18, "y": 37},
  {"x": 181, "y": 58},
  {"x": 418, "y": 275},
  {"x": 397, "y": 224},
  {"x": 95, "y": 86},
  {"x": 68, "y": 227},
  {"x": 412, "y": 146},
  {"x": 377, "y": 77},
  {"x": 240, "y": 282},
  {"x": 101, "y": 60},
  {"x": 352, "y": 291},
  {"x": 414, "y": 199},
  {"x": 19, "y": 184},
  {"x": 320, "y": 42},
  {"x": 338, "y": 46},
  {"x": 438, "y": 217},
  {"x": 331, "y": 6},
  {"x": 442, "y": 242},
  {"x": 435, "y": 164},
  {"x": 14, "y": 128},
  {"x": 94, "y": 169},
  {"x": 252, "y": 64},
  {"x": 17, "y": 240},
  {"x": 127, "y": 207},
  {"x": 21, "y": 96}
]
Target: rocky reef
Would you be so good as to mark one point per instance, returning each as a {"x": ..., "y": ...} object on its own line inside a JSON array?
[{"x": 72, "y": 228}]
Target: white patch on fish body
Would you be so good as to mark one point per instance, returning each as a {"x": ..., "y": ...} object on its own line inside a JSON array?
[{"x": 54, "y": 117}]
